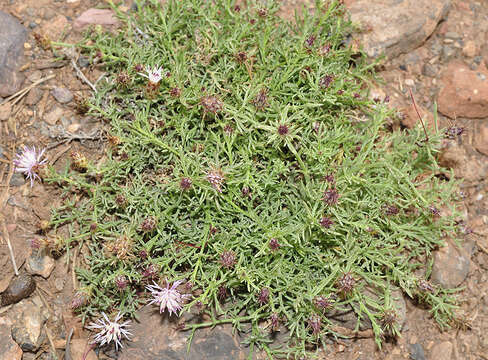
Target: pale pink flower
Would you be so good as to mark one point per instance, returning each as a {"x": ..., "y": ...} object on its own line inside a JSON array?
[
  {"x": 109, "y": 331},
  {"x": 154, "y": 75},
  {"x": 167, "y": 297},
  {"x": 28, "y": 162}
]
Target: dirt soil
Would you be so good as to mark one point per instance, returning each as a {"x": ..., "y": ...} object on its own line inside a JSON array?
[{"x": 24, "y": 208}]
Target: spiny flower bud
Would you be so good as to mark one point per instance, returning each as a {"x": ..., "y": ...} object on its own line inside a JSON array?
[
  {"x": 325, "y": 81},
  {"x": 315, "y": 323},
  {"x": 211, "y": 104},
  {"x": 331, "y": 196},
  {"x": 425, "y": 286},
  {"x": 123, "y": 79},
  {"x": 262, "y": 13},
  {"x": 216, "y": 178},
  {"x": 391, "y": 210},
  {"x": 261, "y": 99},
  {"x": 228, "y": 259},
  {"x": 44, "y": 226},
  {"x": 79, "y": 161},
  {"x": 241, "y": 57},
  {"x": 149, "y": 224},
  {"x": 275, "y": 321},
  {"x": 150, "y": 272},
  {"x": 175, "y": 92},
  {"x": 283, "y": 130},
  {"x": 322, "y": 302},
  {"x": 325, "y": 222},
  {"x": 346, "y": 283},
  {"x": 121, "y": 282},
  {"x": 120, "y": 200},
  {"x": 93, "y": 227},
  {"x": 324, "y": 50},
  {"x": 274, "y": 244},
  {"x": 310, "y": 40},
  {"x": 185, "y": 183},
  {"x": 121, "y": 248},
  {"x": 79, "y": 299},
  {"x": 222, "y": 293},
  {"x": 263, "y": 296},
  {"x": 113, "y": 140}
]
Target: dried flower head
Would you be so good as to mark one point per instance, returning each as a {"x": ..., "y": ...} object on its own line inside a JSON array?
[
  {"x": 185, "y": 183},
  {"x": 29, "y": 162},
  {"x": 331, "y": 196},
  {"x": 121, "y": 282},
  {"x": 149, "y": 224},
  {"x": 263, "y": 296},
  {"x": 241, "y": 57},
  {"x": 330, "y": 178},
  {"x": 425, "y": 286},
  {"x": 150, "y": 271},
  {"x": 228, "y": 129},
  {"x": 154, "y": 75},
  {"x": 246, "y": 192},
  {"x": 262, "y": 13},
  {"x": 315, "y": 323},
  {"x": 121, "y": 248},
  {"x": 389, "y": 319},
  {"x": 324, "y": 50},
  {"x": 167, "y": 298},
  {"x": 261, "y": 99},
  {"x": 322, "y": 302},
  {"x": 211, "y": 104},
  {"x": 228, "y": 259},
  {"x": 113, "y": 140},
  {"x": 79, "y": 161},
  {"x": 237, "y": 8},
  {"x": 110, "y": 331},
  {"x": 138, "y": 68},
  {"x": 175, "y": 92},
  {"x": 123, "y": 79},
  {"x": 216, "y": 178},
  {"x": 274, "y": 244},
  {"x": 346, "y": 283},
  {"x": 283, "y": 130},
  {"x": 453, "y": 132},
  {"x": 325, "y": 222},
  {"x": 80, "y": 298},
  {"x": 357, "y": 96},
  {"x": 222, "y": 293},
  {"x": 93, "y": 227},
  {"x": 325, "y": 81},
  {"x": 120, "y": 200}
]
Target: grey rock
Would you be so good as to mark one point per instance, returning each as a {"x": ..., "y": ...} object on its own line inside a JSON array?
[
  {"x": 28, "y": 318},
  {"x": 451, "y": 266},
  {"x": 452, "y": 35},
  {"x": 1, "y": 153},
  {"x": 429, "y": 70},
  {"x": 442, "y": 351},
  {"x": 397, "y": 26},
  {"x": 83, "y": 61},
  {"x": 417, "y": 352},
  {"x": 32, "y": 25},
  {"x": 62, "y": 95},
  {"x": 12, "y": 38},
  {"x": 17, "y": 180},
  {"x": 9, "y": 350},
  {"x": 447, "y": 53},
  {"x": 19, "y": 288}
]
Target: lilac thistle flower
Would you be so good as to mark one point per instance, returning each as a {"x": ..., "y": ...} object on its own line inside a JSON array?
[
  {"x": 28, "y": 162},
  {"x": 154, "y": 75},
  {"x": 167, "y": 297},
  {"x": 109, "y": 331}
]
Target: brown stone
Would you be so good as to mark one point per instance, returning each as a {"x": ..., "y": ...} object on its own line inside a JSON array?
[
  {"x": 34, "y": 96},
  {"x": 469, "y": 49},
  {"x": 55, "y": 28},
  {"x": 394, "y": 27},
  {"x": 5, "y": 110},
  {"x": 442, "y": 351},
  {"x": 9, "y": 350},
  {"x": 53, "y": 116},
  {"x": 95, "y": 17},
  {"x": 464, "y": 92},
  {"x": 19, "y": 288},
  {"x": 78, "y": 347},
  {"x": 481, "y": 139}
]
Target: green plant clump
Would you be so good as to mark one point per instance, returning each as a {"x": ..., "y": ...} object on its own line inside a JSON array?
[{"x": 255, "y": 170}]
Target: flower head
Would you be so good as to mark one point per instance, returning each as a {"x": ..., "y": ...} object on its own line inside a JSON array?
[
  {"x": 28, "y": 162},
  {"x": 274, "y": 244},
  {"x": 228, "y": 259},
  {"x": 263, "y": 296},
  {"x": 326, "y": 222},
  {"x": 331, "y": 196},
  {"x": 216, "y": 178},
  {"x": 154, "y": 74},
  {"x": 109, "y": 331},
  {"x": 283, "y": 130},
  {"x": 167, "y": 298},
  {"x": 315, "y": 323}
]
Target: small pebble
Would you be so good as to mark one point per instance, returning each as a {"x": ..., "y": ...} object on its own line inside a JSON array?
[
  {"x": 62, "y": 95},
  {"x": 83, "y": 61},
  {"x": 27, "y": 46},
  {"x": 17, "y": 180},
  {"x": 19, "y": 288},
  {"x": 32, "y": 25},
  {"x": 417, "y": 352}
]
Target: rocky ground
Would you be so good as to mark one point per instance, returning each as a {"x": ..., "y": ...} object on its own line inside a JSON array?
[{"x": 436, "y": 48}]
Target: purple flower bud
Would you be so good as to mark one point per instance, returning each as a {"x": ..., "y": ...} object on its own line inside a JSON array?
[
  {"x": 263, "y": 296},
  {"x": 331, "y": 196},
  {"x": 425, "y": 286},
  {"x": 228, "y": 259},
  {"x": 322, "y": 302},
  {"x": 149, "y": 224},
  {"x": 274, "y": 244},
  {"x": 121, "y": 282},
  {"x": 185, "y": 183},
  {"x": 325, "y": 222},
  {"x": 283, "y": 130},
  {"x": 325, "y": 81},
  {"x": 315, "y": 323},
  {"x": 275, "y": 321},
  {"x": 346, "y": 283}
]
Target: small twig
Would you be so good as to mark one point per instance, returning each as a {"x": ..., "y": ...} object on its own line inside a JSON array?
[
  {"x": 25, "y": 90},
  {"x": 55, "y": 158},
  {"x": 420, "y": 117},
  {"x": 82, "y": 76},
  {"x": 73, "y": 272},
  {"x": 7, "y": 238}
]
